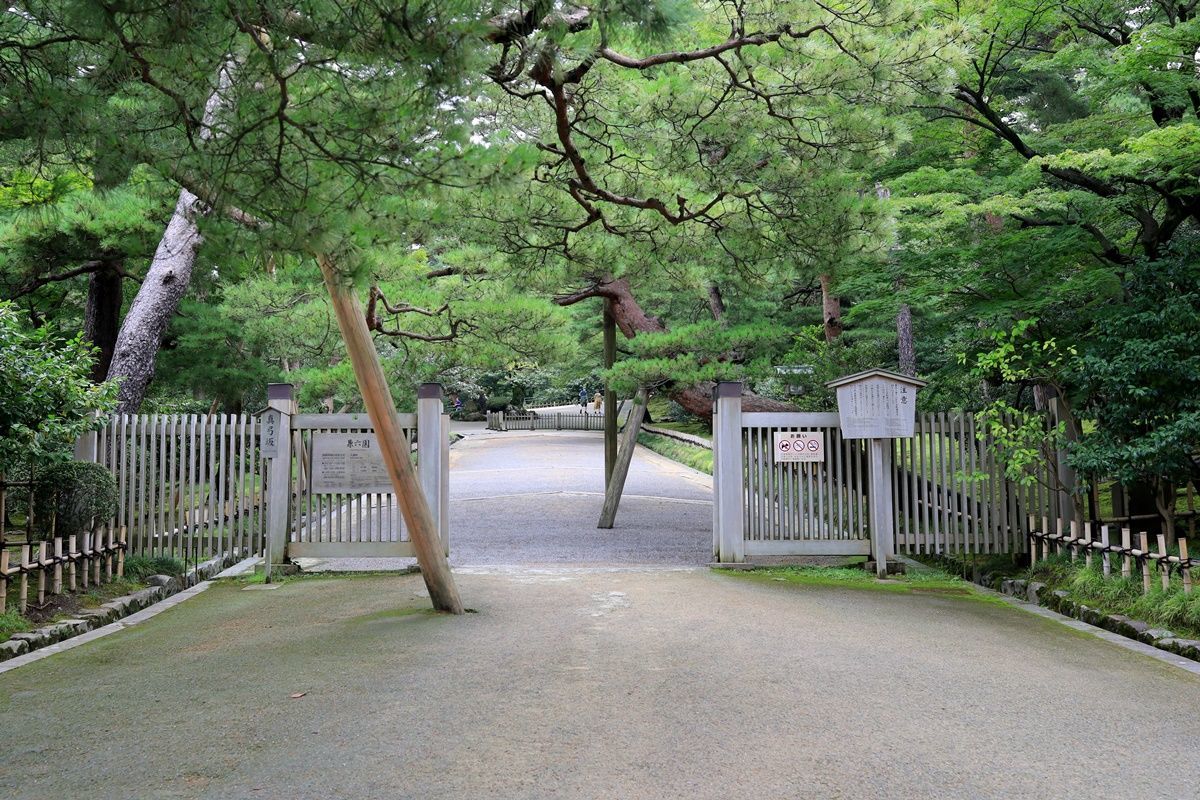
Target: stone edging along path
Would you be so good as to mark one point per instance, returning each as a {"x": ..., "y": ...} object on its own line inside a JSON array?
[
  {"x": 160, "y": 588},
  {"x": 1060, "y": 601}
]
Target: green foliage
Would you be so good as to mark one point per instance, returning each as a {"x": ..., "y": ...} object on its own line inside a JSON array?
[
  {"x": 698, "y": 458},
  {"x": 12, "y": 622},
  {"x": 81, "y": 496},
  {"x": 138, "y": 568},
  {"x": 1139, "y": 375},
  {"x": 47, "y": 397}
]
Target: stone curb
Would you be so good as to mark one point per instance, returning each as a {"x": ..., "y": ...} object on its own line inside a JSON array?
[
  {"x": 1060, "y": 602},
  {"x": 679, "y": 436},
  {"x": 92, "y": 619}
]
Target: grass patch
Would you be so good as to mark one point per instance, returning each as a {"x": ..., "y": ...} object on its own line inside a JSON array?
[
  {"x": 11, "y": 622},
  {"x": 1171, "y": 608},
  {"x": 687, "y": 454},
  {"x": 931, "y": 581},
  {"x": 142, "y": 567}
]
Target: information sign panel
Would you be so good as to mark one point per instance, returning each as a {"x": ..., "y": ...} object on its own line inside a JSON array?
[
  {"x": 348, "y": 463},
  {"x": 792, "y": 446},
  {"x": 876, "y": 408}
]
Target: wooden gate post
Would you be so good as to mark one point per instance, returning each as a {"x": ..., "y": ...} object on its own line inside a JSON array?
[
  {"x": 275, "y": 445},
  {"x": 883, "y": 533},
  {"x": 86, "y": 448},
  {"x": 430, "y": 453},
  {"x": 729, "y": 545}
]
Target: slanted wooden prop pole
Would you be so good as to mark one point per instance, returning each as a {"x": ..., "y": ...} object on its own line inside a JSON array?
[
  {"x": 435, "y": 569},
  {"x": 612, "y": 495},
  {"x": 610, "y": 397}
]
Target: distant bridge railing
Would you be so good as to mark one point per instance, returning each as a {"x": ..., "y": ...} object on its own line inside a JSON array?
[{"x": 584, "y": 420}]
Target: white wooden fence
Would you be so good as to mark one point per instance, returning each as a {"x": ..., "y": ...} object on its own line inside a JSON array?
[
  {"x": 189, "y": 486},
  {"x": 558, "y": 421},
  {"x": 949, "y": 494}
]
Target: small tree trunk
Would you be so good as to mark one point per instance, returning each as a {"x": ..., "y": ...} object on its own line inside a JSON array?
[
  {"x": 907, "y": 354},
  {"x": 414, "y": 506},
  {"x": 831, "y": 310},
  {"x": 716, "y": 303},
  {"x": 102, "y": 316},
  {"x": 136, "y": 350}
]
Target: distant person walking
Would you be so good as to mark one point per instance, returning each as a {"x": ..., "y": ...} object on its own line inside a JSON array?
[
  {"x": 597, "y": 401},
  {"x": 583, "y": 396}
]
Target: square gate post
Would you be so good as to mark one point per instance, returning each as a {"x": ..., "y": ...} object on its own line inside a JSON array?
[
  {"x": 883, "y": 531},
  {"x": 276, "y": 446},
  {"x": 729, "y": 544},
  {"x": 431, "y": 453}
]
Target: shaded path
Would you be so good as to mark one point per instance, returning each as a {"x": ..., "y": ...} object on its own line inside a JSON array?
[
  {"x": 582, "y": 684},
  {"x": 534, "y": 498}
]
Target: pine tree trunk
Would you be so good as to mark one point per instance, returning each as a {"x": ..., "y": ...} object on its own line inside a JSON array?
[
  {"x": 102, "y": 316},
  {"x": 904, "y": 341},
  {"x": 831, "y": 310},
  {"x": 136, "y": 350}
]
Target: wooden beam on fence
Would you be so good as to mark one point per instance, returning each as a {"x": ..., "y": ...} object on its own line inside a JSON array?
[
  {"x": 616, "y": 485},
  {"x": 393, "y": 445}
]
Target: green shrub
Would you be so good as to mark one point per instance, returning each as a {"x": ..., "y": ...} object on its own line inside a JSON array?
[
  {"x": 141, "y": 567},
  {"x": 12, "y": 622},
  {"x": 79, "y": 495}
]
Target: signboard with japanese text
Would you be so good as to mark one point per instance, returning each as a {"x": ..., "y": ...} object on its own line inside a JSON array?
[
  {"x": 877, "y": 408},
  {"x": 268, "y": 440},
  {"x": 348, "y": 463},
  {"x": 793, "y": 446}
]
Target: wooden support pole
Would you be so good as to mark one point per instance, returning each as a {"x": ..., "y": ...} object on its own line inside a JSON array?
[
  {"x": 1184, "y": 567},
  {"x": 610, "y": 397},
  {"x": 1046, "y": 541},
  {"x": 393, "y": 446},
  {"x": 3, "y": 579},
  {"x": 612, "y": 493},
  {"x": 121, "y": 554},
  {"x": 1126, "y": 559},
  {"x": 1164, "y": 566},
  {"x": 1087, "y": 543},
  {"x": 1145, "y": 542}
]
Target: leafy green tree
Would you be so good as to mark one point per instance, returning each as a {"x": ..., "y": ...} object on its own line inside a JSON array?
[{"x": 48, "y": 398}]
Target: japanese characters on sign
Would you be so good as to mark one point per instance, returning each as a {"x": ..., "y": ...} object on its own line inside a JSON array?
[
  {"x": 348, "y": 463},
  {"x": 268, "y": 442},
  {"x": 793, "y": 446},
  {"x": 877, "y": 408}
]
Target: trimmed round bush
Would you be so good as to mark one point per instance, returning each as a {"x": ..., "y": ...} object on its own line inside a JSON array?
[{"x": 78, "y": 495}]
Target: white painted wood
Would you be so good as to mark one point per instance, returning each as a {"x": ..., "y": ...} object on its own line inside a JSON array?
[
  {"x": 279, "y": 490},
  {"x": 789, "y": 419},
  {"x": 430, "y": 452},
  {"x": 728, "y": 492},
  {"x": 809, "y": 547},
  {"x": 327, "y": 422}
]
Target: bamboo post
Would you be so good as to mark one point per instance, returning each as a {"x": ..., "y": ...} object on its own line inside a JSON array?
[
  {"x": 108, "y": 553},
  {"x": 1104, "y": 558},
  {"x": 121, "y": 554},
  {"x": 1087, "y": 543},
  {"x": 1033, "y": 542},
  {"x": 97, "y": 556},
  {"x": 41, "y": 565},
  {"x": 24, "y": 601},
  {"x": 1045, "y": 538},
  {"x": 85, "y": 549},
  {"x": 1145, "y": 557},
  {"x": 1074, "y": 540},
  {"x": 3, "y": 579},
  {"x": 372, "y": 383},
  {"x": 1185, "y": 568},
  {"x": 1126, "y": 545},
  {"x": 58, "y": 559},
  {"x": 73, "y": 554},
  {"x": 1164, "y": 566},
  {"x": 1058, "y": 531},
  {"x": 616, "y": 485}
]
